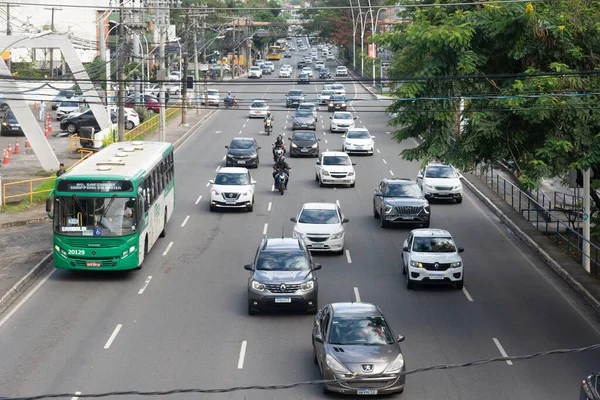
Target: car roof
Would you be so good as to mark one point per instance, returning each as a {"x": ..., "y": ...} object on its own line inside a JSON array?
[
  {"x": 438, "y": 164},
  {"x": 341, "y": 113},
  {"x": 355, "y": 309},
  {"x": 242, "y": 139},
  {"x": 357, "y": 130},
  {"x": 431, "y": 232},
  {"x": 233, "y": 170},
  {"x": 282, "y": 244},
  {"x": 399, "y": 181},
  {"x": 334, "y": 153},
  {"x": 319, "y": 206},
  {"x": 306, "y": 103}
]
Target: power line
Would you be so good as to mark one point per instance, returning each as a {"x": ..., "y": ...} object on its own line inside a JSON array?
[{"x": 308, "y": 383}]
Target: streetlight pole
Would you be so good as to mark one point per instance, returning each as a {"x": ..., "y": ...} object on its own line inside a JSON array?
[
  {"x": 121, "y": 77},
  {"x": 354, "y": 27}
]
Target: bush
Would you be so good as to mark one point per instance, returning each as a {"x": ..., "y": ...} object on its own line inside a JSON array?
[{"x": 142, "y": 112}]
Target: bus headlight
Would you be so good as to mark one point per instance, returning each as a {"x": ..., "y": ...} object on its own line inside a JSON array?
[{"x": 125, "y": 254}]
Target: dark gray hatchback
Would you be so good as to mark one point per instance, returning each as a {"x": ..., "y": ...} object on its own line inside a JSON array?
[
  {"x": 242, "y": 152},
  {"x": 283, "y": 277}
]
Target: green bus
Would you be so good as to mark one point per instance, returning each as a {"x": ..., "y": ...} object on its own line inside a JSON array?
[{"x": 109, "y": 210}]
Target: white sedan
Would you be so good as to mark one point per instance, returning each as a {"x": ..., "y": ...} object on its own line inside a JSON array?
[
  {"x": 285, "y": 73},
  {"x": 308, "y": 70},
  {"x": 233, "y": 187},
  {"x": 321, "y": 227},
  {"x": 341, "y": 121},
  {"x": 358, "y": 140},
  {"x": 335, "y": 168},
  {"x": 258, "y": 109}
]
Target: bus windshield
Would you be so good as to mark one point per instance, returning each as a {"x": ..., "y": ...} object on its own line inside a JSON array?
[{"x": 95, "y": 216}]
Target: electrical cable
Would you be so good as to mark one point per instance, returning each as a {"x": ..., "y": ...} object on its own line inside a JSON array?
[{"x": 353, "y": 377}]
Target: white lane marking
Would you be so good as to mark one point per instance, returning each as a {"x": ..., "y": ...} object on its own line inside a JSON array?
[
  {"x": 242, "y": 355},
  {"x": 168, "y": 248},
  {"x": 324, "y": 133},
  {"x": 269, "y": 207},
  {"x": 415, "y": 141},
  {"x": 207, "y": 183},
  {"x": 218, "y": 168},
  {"x": 383, "y": 159},
  {"x": 360, "y": 121},
  {"x": 325, "y": 141},
  {"x": 265, "y": 228},
  {"x": 113, "y": 336},
  {"x": 327, "y": 150},
  {"x": 378, "y": 151},
  {"x": 357, "y": 295},
  {"x": 272, "y": 187},
  {"x": 501, "y": 349},
  {"x": 240, "y": 132},
  {"x": 348, "y": 256},
  {"x": 76, "y": 397},
  {"x": 285, "y": 127},
  {"x": 198, "y": 201},
  {"x": 337, "y": 202},
  {"x": 244, "y": 126},
  {"x": 391, "y": 172},
  {"x": 148, "y": 279},
  {"x": 224, "y": 157},
  {"x": 464, "y": 290},
  {"x": 185, "y": 221},
  {"x": 388, "y": 133},
  {"x": 247, "y": 119},
  {"x": 20, "y": 303}
]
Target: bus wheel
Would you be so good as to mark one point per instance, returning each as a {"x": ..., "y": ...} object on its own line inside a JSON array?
[{"x": 164, "y": 231}]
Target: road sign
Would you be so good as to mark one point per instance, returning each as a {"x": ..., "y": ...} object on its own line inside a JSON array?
[{"x": 204, "y": 67}]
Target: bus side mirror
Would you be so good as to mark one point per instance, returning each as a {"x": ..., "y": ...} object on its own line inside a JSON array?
[{"x": 49, "y": 202}]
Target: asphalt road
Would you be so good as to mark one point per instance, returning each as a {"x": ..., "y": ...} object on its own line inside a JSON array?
[{"x": 186, "y": 326}]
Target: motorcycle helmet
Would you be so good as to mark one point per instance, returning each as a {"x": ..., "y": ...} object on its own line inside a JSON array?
[{"x": 268, "y": 113}]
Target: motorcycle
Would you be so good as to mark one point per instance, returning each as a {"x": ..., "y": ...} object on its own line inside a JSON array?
[
  {"x": 280, "y": 180},
  {"x": 268, "y": 126},
  {"x": 231, "y": 103}
]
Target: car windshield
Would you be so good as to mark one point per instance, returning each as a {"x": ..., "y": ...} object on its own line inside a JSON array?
[
  {"x": 440, "y": 172},
  {"x": 358, "y": 135},
  {"x": 295, "y": 93},
  {"x": 254, "y": 68},
  {"x": 342, "y": 116},
  {"x": 69, "y": 104},
  {"x": 303, "y": 114},
  {"x": 306, "y": 106},
  {"x": 318, "y": 216},
  {"x": 280, "y": 261},
  {"x": 366, "y": 331},
  {"x": 259, "y": 104},
  {"x": 403, "y": 190},
  {"x": 95, "y": 216},
  {"x": 242, "y": 144},
  {"x": 341, "y": 68},
  {"x": 336, "y": 160},
  {"x": 212, "y": 92},
  {"x": 304, "y": 136},
  {"x": 338, "y": 87},
  {"x": 434, "y": 245},
  {"x": 228, "y": 178},
  {"x": 326, "y": 92}
]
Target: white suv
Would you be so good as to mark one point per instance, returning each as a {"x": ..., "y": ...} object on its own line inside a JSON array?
[
  {"x": 341, "y": 121},
  {"x": 430, "y": 256},
  {"x": 341, "y": 71},
  {"x": 233, "y": 187},
  {"x": 335, "y": 168},
  {"x": 255, "y": 72},
  {"x": 440, "y": 181},
  {"x": 321, "y": 227}
]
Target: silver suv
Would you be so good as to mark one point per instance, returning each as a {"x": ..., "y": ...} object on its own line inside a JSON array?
[
  {"x": 400, "y": 201},
  {"x": 283, "y": 277}
]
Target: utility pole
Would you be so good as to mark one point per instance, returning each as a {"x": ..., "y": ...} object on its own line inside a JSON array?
[
  {"x": 196, "y": 77},
  {"x": 121, "y": 78},
  {"x": 52, "y": 9},
  {"x": 8, "y": 30},
  {"x": 184, "y": 55}
]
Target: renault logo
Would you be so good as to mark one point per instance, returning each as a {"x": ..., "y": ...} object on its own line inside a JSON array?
[
  {"x": 436, "y": 265},
  {"x": 368, "y": 368},
  {"x": 282, "y": 287}
]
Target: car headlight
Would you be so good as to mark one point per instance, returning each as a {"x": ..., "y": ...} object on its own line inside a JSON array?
[
  {"x": 426, "y": 209},
  {"x": 325, "y": 173},
  {"x": 314, "y": 146},
  {"x": 416, "y": 264},
  {"x": 427, "y": 185},
  {"x": 306, "y": 286},
  {"x": 396, "y": 365},
  {"x": 388, "y": 209},
  {"x": 253, "y": 155},
  {"x": 258, "y": 286},
  {"x": 214, "y": 192},
  {"x": 294, "y": 145},
  {"x": 338, "y": 235},
  {"x": 456, "y": 264},
  {"x": 229, "y": 156},
  {"x": 245, "y": 194},
  {"x": 131, "y": 249},
  {"x": 351, "y": 173},
  {"x": 343, "y": 104},
  {"x": 298, "y": 235},
  {"x": 335, "y": 365},
  {"x": 330, "y": 104},
  {"x": 457, "y": 187}
]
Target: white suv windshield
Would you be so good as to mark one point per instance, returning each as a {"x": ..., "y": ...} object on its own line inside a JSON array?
[
  {"x": 259, "y": 104},
  {"x": 358, "y": 135},
  {"x": 317, "y": 216},
  {"x": 440, "y": 172},
  {"x": 231, "y": 179},
  {"x": 433, "y": 245},
  {"x": 342, "y": 116}
]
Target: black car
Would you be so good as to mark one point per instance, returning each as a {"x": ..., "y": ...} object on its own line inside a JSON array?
[
  {"x": 242, "y": 152},
  {"x": 324, "y": 73},
  {"x": 337, "y": 103},
  {"x": 303, "y": 78},
  {"x": 73, "y": 123},
  {"x": 304, "y": 143},
  {"x": 304, "y": 119},
  {"x": 293, "y": 98},
  {"x": 10, "y": 126},
  {"x": 266, "y": 70},
  {"x": 400, "y": 201},
  {"x": 287, "y": 54},
  {"x": 300, "y": 65},
  {"x": 282, "y": 277},
  {"x": 590, "y": 388}
]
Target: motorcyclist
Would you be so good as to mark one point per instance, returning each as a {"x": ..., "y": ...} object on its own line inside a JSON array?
[
  {"x": 229, "y": 98},
  {"x": 278, "y": 144},
  {"x": 269, "y": 117},
  {"x": 281, "y": 165}
]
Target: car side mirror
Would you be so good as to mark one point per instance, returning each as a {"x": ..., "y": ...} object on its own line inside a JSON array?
[
  {"x": 319, "y": 339},
  {"x": 378, "y": 193},
  {"x": 460, "y": 249},
  {"x": 226, "y": 147},
  {"x": 419, "y": 176},
  {"x": 318, "y": 140},
  {"x": 405, "y": 248},
  {"x": 353, "y": 163},
  {"x": 289, "y": 138},
  {"x": 293, "y": 219},
  {"x": 330, "y": 117},
  {"x": 318, "y": 162},
  {"x": 253, "y": 182},
  {"x": 248, "y": 267},
  {"x": 317, "y": 267},
  {"x": 211, "y": 181},
  {"x": 259, "y": 147},
  {"x": 355, "y": 117},
  {"x": 48, "y": 205},
  {"x": 343, "y": 136},
  {"x": 345, "y": 221},
  {"x": 400, "y": 338}
]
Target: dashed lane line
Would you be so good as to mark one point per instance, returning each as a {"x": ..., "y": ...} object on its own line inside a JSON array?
[
  {"x": 185, "y": 221},
  {"x": 207, "y": 183},
  {"x": 383, "y": 159},
  {"x": 198, "y": 200},
  {"x": 167, "y": 249},
  {"x": 269, "y": 207},
  {"x": 76, "y": 397},
  {"x": 348, "y": 256},
  {"x": 357, "y": 295},
  {"x": 391, "y": 172},
  {"x": 265, "y": 228},
  {"x": 146, "y": 283},
  {"x": 242, "y": 355},
  {"x": 501, "y": 349},
  {"x": 112, "y": 337},
  {"x": 218, "y": 168},
  {"x": 468, "y": 296}
]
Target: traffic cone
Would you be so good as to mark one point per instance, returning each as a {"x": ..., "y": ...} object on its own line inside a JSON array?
[
  {"x": 27, "y": 146},
  {"x": 10, "y": 150},
  {"x": 17, "y": 147},
  {"x": 46, "y": 132},
  {"x": 49, "y": 123},
  {"x": 5, "y": 161}
]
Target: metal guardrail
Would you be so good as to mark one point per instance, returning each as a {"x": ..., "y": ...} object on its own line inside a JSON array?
[
  {"x": 567, "y": 201},
  {"x": 541, "y": 217}
]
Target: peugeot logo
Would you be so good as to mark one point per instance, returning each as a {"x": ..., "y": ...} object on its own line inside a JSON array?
[
  {"x": 368, "y": 368},
  {"x": 436, "y": 265},
  {"x": 282, "y": 287}
]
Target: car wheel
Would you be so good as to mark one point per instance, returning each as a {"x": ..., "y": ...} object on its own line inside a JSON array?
[
  {"x": 71, "y": 128},
  {"x": 459, "y": 200},
  {"x": 330, "y": 130},
  {"x": 325, "y": 390},
  {"x": 251, "y": 206},
  {"x": 403, "y": 267},
  {"x": 375, "y": 213},
  {"x": 315, "y": 361},
  {"x": 382, "y": 222},
  {"x": 409, "y": 283},
  {"x": 460, "y": 284},
  {"x": 129, "y": 125}
]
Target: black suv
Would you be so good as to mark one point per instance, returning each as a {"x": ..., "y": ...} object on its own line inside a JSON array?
[
  {"x": 337, "y": 103},
  {"x": 242, "y": 152},
  {"x": 590, "y": 388},
  {"x": 282, "y": 277},
  {"x": 293, "y": 98},
  {"x": 400, "y": 201},
  {"x": 10, "y": 125},
  {"x": 324, "y": 73}
]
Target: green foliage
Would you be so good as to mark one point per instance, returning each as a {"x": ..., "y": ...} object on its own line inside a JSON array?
[
  {"x": 97, "y": 71},
  {"x": 142, "y": 113},
  {"x": 26, "y": 70}
]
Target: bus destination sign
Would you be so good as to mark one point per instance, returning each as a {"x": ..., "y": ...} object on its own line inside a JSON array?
[{"x": 95, "y": 186}]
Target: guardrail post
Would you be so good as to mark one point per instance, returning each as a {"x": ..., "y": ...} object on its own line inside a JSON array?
[
  {"x": 512, "y": 196},
  {"x": 504, "y": 189},
  {"x": 30, "y": 191},
  {"x": 568, "y": 242},
  {"x": 557, "y": 227}
]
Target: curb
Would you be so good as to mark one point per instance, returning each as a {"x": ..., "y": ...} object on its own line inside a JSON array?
[
  {"x": 24, "y": 222},
  {"x": 22, "y": 283},
  {"x": 556, "y": 267}
]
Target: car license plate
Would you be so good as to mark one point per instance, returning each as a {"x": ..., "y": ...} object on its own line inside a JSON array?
[
  {"x": 92, "y": 264},
  {"x": 241, "y": 162},
  {"x": 407, "y": 217},
  {"x": 230, "y": 201},
  {"x": 318, "y": 246},
  {"x": 436, "y": 276},
  {"x": 283, "y": 299},
  {"x": 304, "y": 150},
  {"x": 366, "y": 391}
]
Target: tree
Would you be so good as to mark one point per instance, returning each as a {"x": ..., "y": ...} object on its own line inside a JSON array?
[{"x": 545, "y": 124}]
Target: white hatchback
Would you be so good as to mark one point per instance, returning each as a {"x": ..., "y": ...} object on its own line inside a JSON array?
[
  {"x": 258, "y": 109},
  {"x": 233, "y": 187},
  {"x": 358, "y": 140},
  {"x": 255, "y": 72},
  {"x": 308, "y": 70},
  {"x": 321, "y": 227},
  {"x": 341, "y": 121},
  {"x": 335, "y": 168},
  {"x": 440, "y": 181}
]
